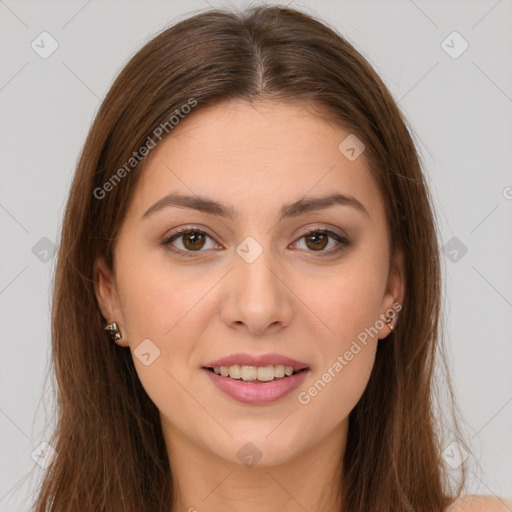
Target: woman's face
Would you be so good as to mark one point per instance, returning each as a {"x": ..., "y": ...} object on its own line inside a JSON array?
[{"x": 248, "y": 279}]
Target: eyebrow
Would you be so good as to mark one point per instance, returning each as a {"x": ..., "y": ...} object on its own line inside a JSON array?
[{"x": 209, "y": 206}]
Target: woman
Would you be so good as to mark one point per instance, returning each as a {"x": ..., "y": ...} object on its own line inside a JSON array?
[{"x": 250, "y": 225}]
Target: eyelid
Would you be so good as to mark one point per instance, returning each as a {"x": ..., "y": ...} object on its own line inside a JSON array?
[{"x": 315, "y": 229}]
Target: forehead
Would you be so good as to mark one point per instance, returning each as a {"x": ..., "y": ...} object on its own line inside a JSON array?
[{"x": 259, "y": 155}]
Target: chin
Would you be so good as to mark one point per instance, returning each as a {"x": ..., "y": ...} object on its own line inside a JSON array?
[{"x": 252, "y": 449}]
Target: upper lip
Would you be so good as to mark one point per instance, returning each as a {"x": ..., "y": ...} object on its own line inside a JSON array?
[{"x": 256, "y": 360}]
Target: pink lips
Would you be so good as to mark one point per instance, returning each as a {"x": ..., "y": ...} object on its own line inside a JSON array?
[{"x": 257, "y": 393}]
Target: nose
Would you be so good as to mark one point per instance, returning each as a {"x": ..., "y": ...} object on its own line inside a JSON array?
[{"x": 256, "y": 296}]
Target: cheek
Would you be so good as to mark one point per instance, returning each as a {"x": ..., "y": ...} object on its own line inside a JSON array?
[
  {"x": 157, "y": 297},
  {"x": 348, "y": 302},
  {"x": 163, "y": 307},
  {"x": 171, "y": 306},
  {"x": 335, "y": 390}
]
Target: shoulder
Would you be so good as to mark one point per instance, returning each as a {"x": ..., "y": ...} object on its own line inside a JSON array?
[{"x": 477, "y": 503}]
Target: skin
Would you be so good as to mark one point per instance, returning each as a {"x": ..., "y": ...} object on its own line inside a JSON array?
[
  {"x": 290, "y": 300},
  {"x": 476, "y": 503}
]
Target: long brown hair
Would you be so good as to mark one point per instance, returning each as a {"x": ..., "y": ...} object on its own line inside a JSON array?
[{"x": 110, "y": 449}]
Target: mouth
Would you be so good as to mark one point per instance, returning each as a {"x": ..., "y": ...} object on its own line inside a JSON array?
[
  {"x": 257, "y": 385},
  {"x": 256, "y": 374}
]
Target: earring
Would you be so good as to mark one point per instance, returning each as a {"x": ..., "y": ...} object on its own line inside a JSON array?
[
  {"x": 390, "y": 325},
  {"x": 113, "y": 330}
]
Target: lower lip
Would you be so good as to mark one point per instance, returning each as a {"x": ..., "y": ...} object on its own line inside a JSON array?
[{"x": 257, "y": 393}]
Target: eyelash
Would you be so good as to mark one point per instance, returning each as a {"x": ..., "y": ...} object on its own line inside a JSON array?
[{"x": 344, "y": 243}]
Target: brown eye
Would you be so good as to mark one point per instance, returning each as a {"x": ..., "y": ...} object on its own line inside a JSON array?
[
  {"x": 191, "y": 240},
  {"x": 318, "y": 241}
]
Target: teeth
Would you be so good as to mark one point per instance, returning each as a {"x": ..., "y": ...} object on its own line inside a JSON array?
[
  {"x": 279, "y": 371},
  {"x": 251, "y": 373}
]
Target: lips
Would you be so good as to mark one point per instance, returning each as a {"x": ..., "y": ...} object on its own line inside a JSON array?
[
  {"x": 244, "y": 359},
  {"x": 276, "y": 376},
  {"x": 253, "y": 393}
]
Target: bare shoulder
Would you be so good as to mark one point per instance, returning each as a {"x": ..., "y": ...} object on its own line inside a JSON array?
[{"x": 478, "y": 503}]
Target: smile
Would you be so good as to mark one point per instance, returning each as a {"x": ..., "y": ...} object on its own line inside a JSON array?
[
  {"x": 255, "y": 373},
  {"x": 253, "y": 390}
]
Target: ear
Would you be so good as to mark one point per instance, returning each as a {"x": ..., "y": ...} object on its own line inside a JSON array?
[
  {"x": 395, "y": 291},
  {"x": 107, "y": 296}
]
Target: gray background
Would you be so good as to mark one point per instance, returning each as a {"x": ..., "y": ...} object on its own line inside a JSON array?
[{"x": 459, "y": 108}]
